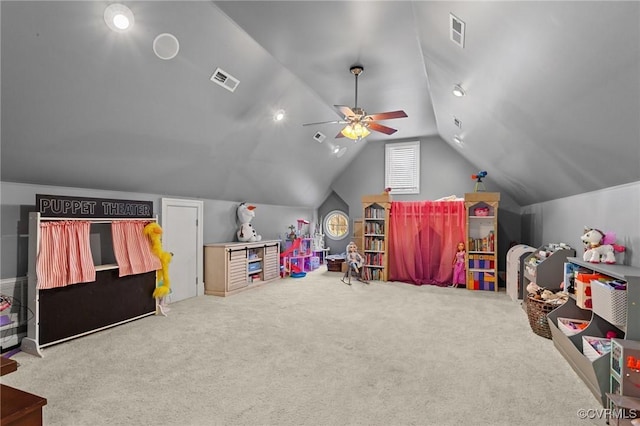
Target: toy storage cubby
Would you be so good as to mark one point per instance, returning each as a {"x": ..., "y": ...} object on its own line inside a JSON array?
[
  {"x": 233, "y": 267},
  {"x": 515, "y": 270},
  {"x": 545, "y": 266},
  {"x": 596, "y": 372},
  {"x": 482, "y": 240},
  {"x": 375, "y": 224}
]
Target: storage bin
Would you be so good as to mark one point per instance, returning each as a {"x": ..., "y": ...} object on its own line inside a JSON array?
[
  {"x": 334, "y": 265},
  {"x": 537, "y": 310},
  {"x": 583, "y": 289},
  {"x": 571, "y": 326},
  {"x": 595, "y": 347},
  {"x": 609, "y": 303}
]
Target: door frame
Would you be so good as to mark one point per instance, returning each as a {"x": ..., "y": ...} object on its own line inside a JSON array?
[{"x": 199, "y": 206}]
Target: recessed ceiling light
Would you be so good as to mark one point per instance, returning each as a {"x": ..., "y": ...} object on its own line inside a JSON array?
[
  {"x": 336, "y": 149},
  {"x": 458, "y": 91},
  {"x": 118, "y": 17},
  {"x": 279, "y": 115},
  {"x": 341, "y": 151},
  {"x": 458, "y": 140}
]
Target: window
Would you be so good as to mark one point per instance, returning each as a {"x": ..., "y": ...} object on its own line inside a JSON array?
[
  {"x": 336, "y": 225},
  {"x": 402, "y": 167}
]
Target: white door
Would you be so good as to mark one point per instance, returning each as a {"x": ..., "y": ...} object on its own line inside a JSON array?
[{"x": 182, "y": 236}]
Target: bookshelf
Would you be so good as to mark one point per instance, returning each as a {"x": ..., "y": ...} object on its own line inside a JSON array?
[
  {"x": 482, "y": 240},
  {"x": 375, "y": 228}
]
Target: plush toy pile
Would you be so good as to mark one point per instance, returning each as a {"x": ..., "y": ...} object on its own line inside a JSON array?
[{"x": 541, "y": 293}]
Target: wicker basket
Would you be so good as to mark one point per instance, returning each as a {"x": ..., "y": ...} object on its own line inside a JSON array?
[{"x": 537, "y": 311}]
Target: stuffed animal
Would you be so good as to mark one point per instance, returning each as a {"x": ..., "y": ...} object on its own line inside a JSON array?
[
  {"x": 163, "y": 286},
  {"x": 599, "y": 246},
  {"x": 246, "y": 231}
]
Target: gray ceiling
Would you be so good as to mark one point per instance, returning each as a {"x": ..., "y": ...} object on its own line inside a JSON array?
[{"x": 552, "y": 106}]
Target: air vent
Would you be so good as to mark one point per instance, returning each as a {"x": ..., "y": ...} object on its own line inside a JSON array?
[
  {"x": 225, "y": 80},
  {"x": 456, "y": 30},
  {"x": 319, "y": 137},
  {"x": 457, "y": 122}
]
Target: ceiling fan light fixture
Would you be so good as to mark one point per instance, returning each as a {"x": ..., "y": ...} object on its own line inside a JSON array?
[
  {"x": 355, "y": 131},
  {"x": 458, "y": 91}
]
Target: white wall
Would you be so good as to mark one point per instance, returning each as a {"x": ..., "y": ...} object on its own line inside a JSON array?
[{"x": 615, "y": 209}]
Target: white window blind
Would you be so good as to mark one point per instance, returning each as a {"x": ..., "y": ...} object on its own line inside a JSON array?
[{"x": 402, "y": 167}]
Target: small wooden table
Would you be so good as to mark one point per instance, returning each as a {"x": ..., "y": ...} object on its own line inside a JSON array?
[{"x": 18, "y": 407}]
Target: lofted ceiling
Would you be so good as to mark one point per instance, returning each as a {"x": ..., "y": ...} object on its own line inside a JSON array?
[{"x": 552, "y": 106}]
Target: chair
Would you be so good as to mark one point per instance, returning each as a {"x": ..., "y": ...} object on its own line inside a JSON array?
[
  {"x": 351, "y": 271},
  {"x": 354, "y": 263}
]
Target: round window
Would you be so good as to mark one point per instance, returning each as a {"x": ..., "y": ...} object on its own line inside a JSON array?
[{"x": 336, "y": 225}]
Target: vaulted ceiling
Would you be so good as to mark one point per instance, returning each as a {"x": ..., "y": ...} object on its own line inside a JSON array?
[{"x": 552, "y": 105}]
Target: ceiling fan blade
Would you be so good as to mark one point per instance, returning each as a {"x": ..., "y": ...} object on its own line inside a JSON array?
[
  {"x": 326, "y": 122},
  {"x": 344, "y": 110},
  {"x": 339, "y": 135},
  {"x": 387, "y": 115},
  {"x": 382, "y": 129}
]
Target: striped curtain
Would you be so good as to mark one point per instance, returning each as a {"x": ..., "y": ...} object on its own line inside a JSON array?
[
  {"x": 64, "y": 256},
  {"x": 132, "y": 248}
]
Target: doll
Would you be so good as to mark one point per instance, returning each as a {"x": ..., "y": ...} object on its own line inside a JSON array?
[
  {"x": 354, "y": 259},
  {"x": 459, "y": 267}
]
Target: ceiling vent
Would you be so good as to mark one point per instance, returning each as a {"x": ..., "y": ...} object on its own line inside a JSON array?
[
  {"x": 319, "y": 137},
  {"x": 225, "y": 80},
  {"x": 456, "y": 30},
  {"x": 457, "y": 122}
]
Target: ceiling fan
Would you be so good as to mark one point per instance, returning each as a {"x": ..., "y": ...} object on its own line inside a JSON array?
[{"x": 358, "y": 123}]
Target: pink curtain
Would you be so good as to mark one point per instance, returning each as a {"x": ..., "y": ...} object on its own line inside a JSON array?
[
  {"x": 423, "y": 236},
  {"x": 132, "y": 248},
  {"x": 64, "y": 255}
]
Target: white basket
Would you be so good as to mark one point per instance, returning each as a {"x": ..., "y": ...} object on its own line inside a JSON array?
[
  {"x": 564, "y": 324},
  {"x": 609, "y": 303},
  {"x": 590, "y": 352}
]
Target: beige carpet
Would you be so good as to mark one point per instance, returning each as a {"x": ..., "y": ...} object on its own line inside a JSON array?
[{"x": 314, "y": 351}]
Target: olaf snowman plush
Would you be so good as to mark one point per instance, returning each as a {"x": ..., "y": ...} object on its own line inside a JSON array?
[{"x": 246, "y": 232}]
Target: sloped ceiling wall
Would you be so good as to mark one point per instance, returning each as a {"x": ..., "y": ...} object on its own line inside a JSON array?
[{"x": 552, "y": 106}]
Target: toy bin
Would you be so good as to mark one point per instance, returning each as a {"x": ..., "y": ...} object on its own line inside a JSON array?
[
  {"x": 583, "y": 289},
  {"x": 571, "y": 326},
  {"x": 595, "y": 347},
  {"x": 609, "y": 303}
]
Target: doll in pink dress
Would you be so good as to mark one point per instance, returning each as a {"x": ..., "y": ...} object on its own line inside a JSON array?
[{"x": 459, "y": 272}]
